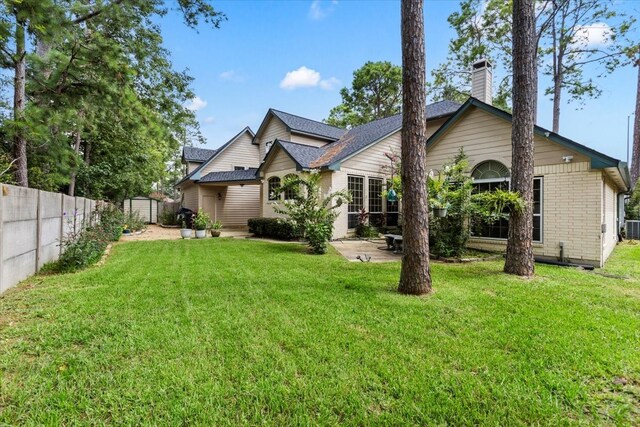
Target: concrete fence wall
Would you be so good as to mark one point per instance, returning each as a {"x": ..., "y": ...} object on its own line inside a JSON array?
[{"x": 32, "y": 225}]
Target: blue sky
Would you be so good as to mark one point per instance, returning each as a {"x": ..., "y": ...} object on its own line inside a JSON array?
[{"x": 241, "y": 69}]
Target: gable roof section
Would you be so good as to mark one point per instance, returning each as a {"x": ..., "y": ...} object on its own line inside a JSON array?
[
  {"x": 196, "y": 154},
  {"x": 598, "y": 160},
  {"x": 230, "y": 176},
  {"x": 356, "y": 140},
  {"x": 301, "y": 125},
  {"x": 301, "y": 154},
  {"x": 195, "y": 174}
]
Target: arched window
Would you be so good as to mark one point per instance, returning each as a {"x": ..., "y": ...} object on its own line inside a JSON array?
[
  {"x": 490, "y": 176},
  {"x": 491, "y": 170},
  {"x": 290, "y": 193},
  {"x": 274, "y": 184}
]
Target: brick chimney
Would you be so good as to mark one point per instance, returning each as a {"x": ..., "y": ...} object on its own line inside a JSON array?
[{"x": 482, "y": 81}]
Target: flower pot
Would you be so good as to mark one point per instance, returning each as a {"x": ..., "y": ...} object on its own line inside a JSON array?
[
  {"x": 440, "y": 212},
  {"x": 185, "y": 233},
  {"x": 215, "y": 233},
  {"x": 201, "y": 234}
]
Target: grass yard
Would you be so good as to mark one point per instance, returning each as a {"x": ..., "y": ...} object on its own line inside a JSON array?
[{"x": 229, "y": 332}]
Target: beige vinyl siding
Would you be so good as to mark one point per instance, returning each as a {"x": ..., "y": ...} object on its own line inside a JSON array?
[
  {"x": 339, "y": 182},
  {"x": 192, "y": 165},
  {"x": 487, "y": 137},
  {"x": 372, "y": 159},
  {"x": 239, "y": 153},
  {"x": 279, "y": 165},
  {"x": 190, "y": 196},
  {"x": 233, "y": 205},
  {"x": 274, "y": 129},
  {"x": 308, "y": 140}
]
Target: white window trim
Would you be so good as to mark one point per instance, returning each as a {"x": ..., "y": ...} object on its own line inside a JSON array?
[{"x": 364, "y": 180}]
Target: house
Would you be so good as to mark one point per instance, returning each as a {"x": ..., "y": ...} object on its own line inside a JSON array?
[
  {"x": 578, "y": 191},
  {"x": 223, "y": 182}
]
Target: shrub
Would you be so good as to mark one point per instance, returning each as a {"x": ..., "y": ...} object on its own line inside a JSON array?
[
  {"x": 86, "y": 247},
  {"x": 311, "y": 211},
  {"x": 110, "y": 220},
  {"x": 201, "y": 220},
  {"x": 276, "y": 228},
  {"x": 168, "y": 217},
  {"x": 133, "y": 221}
]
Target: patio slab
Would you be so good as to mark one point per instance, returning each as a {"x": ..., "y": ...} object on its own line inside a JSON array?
[{"x": 373, "y": 250}]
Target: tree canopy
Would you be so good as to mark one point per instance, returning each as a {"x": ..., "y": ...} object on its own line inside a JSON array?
[
  {"x": 575, "y": 40},
  {"x": 104, "y": 109},
  {"x": 376, "y": 92}
]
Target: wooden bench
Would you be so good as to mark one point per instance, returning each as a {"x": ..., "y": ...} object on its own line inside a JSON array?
[{"x": 394, "y": 241}]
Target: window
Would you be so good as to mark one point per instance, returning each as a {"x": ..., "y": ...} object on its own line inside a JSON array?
[
  {"x": 355, "y": 184},
  {"x": 490, "y": 176},
  {"x": 274, "y": 183},
  {"x": 392, "y": 211},
  {"x": 376, "y": 217},
  {"x": 239, "y": 168},
  {"x": 291, "y": 193},
  {"x": 537, "y": 209}
]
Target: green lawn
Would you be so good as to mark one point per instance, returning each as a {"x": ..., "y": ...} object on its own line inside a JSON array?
[{"x": 229, "y": 332}]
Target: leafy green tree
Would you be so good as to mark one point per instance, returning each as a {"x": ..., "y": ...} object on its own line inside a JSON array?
[
  {"x": 376, "y": 93},
  {"x": 572, "y": 36},
  {"x": 106, "y": 108},
  {"x": 311, "y": 212}
]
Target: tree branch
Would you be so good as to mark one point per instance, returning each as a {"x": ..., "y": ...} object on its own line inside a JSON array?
[{"x": 95, "y": 13}]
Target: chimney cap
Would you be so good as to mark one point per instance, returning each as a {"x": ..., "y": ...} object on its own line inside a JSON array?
[{"x": 481, "y": 63}]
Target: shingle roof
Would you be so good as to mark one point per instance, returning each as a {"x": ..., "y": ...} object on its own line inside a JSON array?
[
  {"x": 304, "y": 155},
  {"x": 195, "y": 154},
  {"x": 441, "y": 108},
  {"x": 357, "y": 139},
  {"x": 229, "y": 176},
  {"x": 300, "y": 124}
]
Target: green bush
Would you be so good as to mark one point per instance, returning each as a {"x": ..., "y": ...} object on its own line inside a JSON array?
[
  {"x": 311, "y": 212},
  {"x": 168, "y": 217},
  {"x": 82, "y": 249},
  {"x": 366, "y": 231},
  {"x": 133, "y": 221},
  {"x": 276, "y": 228}
]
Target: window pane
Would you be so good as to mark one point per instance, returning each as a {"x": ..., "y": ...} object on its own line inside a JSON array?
[
  {"x": 290, "y": 193},
  {"x": 537, "y": 229},
  {"x": 273, "y": 184},
  {"x": 375, "y": 195},
  {"x": 355, "y": 184}
]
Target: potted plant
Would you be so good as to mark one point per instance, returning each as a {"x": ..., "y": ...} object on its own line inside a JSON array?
[
  {"x": 440, "y": 208},
  {"x": 184, "y": 231},
  {"x": 200, "y": 223},
  {"x": 215, "y": 228}
]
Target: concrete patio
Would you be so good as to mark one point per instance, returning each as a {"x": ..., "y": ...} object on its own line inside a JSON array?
[{"x": 373, "y": 250}]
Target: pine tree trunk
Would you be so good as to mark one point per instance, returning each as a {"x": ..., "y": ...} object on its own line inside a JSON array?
[
  {"x": 635, "y": 159},
  {"x": 415, "y": 276},
  {"x": 519, "y": 259},
  {"x": 19, "y": 95}
]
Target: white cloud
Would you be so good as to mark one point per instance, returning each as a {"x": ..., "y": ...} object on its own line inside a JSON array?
[
  {"x": 306, "y": 77},
  {"x": 597, "y": 34},
  {"x": 231, "y": 75},
  {"x": 319, "y": 10},
  {"x": 209, "y": 120},
  {"x": 330, "y": 83},
  {"x": 302, "y": 77},
  {"x": 195, "y": 104}
]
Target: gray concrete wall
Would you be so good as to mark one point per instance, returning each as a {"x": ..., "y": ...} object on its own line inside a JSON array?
[{"x": 32, "y": 225}]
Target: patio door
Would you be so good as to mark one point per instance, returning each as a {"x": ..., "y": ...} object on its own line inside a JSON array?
[{"x": 209, "y": 205}]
